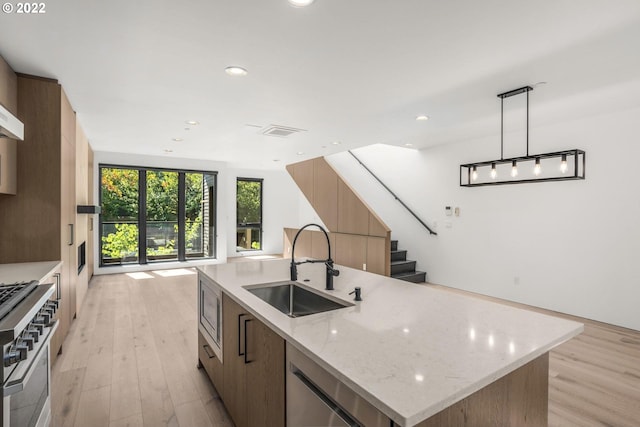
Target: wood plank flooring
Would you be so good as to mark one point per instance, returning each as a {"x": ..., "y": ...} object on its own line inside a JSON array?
[
  {"x": 130, "y": 357},
  {"x": 130, "y": 360}
]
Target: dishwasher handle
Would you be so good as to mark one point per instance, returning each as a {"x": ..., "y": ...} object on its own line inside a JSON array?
[{"x": 337, "y": 410}]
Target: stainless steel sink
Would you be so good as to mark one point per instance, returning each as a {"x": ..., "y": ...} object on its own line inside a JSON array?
[{"x": 295, "y": 300}]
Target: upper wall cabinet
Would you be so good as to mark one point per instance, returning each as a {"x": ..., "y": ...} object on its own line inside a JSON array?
[{"x": 8, "y": 147}]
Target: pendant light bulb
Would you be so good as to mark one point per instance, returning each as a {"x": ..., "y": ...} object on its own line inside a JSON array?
[
  {"x": 474, "y": 174},
  {"x": 514, "y": 169},
  {"x": 537, "y": 169},
  {"x": 494, "y": 173},
  {"x": 563, "y": 164}
]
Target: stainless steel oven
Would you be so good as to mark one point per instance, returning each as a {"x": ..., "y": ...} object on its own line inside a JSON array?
[
  {"x": 28, "y": 322},
  {"x": 210, "y": 313}
]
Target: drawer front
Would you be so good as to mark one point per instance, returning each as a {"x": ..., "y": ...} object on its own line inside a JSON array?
[{"x": 211, "y": 363}]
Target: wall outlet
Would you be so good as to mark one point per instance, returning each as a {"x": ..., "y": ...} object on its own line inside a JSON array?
[{"x": 364, "y": 267}]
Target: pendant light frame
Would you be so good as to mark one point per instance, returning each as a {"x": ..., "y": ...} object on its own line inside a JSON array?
[{"x": 577, "y": 157}]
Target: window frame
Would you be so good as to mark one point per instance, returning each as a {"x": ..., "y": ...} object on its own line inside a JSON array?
[
  {"x": 142, "y": 213},
  {"x": 238, "y": 224}
]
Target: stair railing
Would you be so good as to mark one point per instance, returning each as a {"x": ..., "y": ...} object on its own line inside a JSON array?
[{"x": 394, "y": 196}]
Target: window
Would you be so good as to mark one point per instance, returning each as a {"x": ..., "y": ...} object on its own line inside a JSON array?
[
  {"x": 155, "y": 215},
  {"x": 249, "y": 214}
]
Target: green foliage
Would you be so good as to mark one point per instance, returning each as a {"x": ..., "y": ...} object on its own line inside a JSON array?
[
  {"x": 122, "y": 243},
  {"x": 120, "y": 195},
  {"x": 193, "y": 232},
  {"x": 162, "y": 196},
  {"x": 248, "y": 201}
]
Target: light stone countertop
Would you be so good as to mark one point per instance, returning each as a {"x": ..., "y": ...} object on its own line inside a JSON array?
[
  {"x": 27, "y": 271},
  {"x": 410, "y": 350}
]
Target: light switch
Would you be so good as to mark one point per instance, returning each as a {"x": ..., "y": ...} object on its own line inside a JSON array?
[
  {"x": 447, "y": 210},
  {"x": 456, "y": 211}
]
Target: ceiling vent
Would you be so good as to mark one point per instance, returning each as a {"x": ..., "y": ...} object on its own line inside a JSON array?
[{"x": 280, "y": 131}]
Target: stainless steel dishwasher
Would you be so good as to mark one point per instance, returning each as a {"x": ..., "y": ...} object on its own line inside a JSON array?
[{"x": 315, "y": 398}]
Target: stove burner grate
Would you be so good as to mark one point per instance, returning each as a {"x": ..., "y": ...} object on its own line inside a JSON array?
[{"x": 12, "y": 294}]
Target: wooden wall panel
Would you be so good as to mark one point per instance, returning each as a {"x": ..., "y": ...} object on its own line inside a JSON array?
[
  {"x": 376, "y": 226},
  {"x": 302, "y": 174},
  {"x": 351, "y": 250},
  {"x": 303, "y": 244},
  {"x": 325, "y": 193},
  {"x": 348, "y": 218},
  {"x": 353, "y": 215},
  {"x": 378, "y": 255}
]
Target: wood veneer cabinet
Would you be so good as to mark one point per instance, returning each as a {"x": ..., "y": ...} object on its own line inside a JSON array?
[
  {"x": 253, "y": 369},
  {"x": 8, "y": 147},
  {"x": 211, "y": 364},
  {"x": 39, "y": 222}
]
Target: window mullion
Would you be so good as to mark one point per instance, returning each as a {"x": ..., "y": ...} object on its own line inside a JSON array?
[
  {"x": 142, "y": 216},
  {"x": 181, "y": 216}
]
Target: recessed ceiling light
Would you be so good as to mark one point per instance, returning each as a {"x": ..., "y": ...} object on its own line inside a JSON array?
[
  {"x": 422, "y": 118},
  {"x": 300, "y": 153},
  {"x": 192, "y": 122},
  {"x": 300, "y": 3},
  {"x": 336, "y": 143},
  {"x": 177, "y": 139},
  {"x": 235, "y": 71},
  {"x": 408, "y": 144}
]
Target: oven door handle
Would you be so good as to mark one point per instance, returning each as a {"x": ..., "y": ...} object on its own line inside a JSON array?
[{"x": 15, "y": 386}]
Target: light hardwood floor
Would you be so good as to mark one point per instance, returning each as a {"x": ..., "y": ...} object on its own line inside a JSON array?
[{"x": 130, "y": 360}]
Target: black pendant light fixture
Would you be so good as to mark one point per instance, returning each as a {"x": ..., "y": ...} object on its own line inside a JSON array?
[{"x": 557, "y": 166}]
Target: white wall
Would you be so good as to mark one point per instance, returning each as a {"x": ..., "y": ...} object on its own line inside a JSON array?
[
  {"x": 279, "y": 208},
  {"x": 280, "y": 204},
  {"x": 569, "y": 246}
]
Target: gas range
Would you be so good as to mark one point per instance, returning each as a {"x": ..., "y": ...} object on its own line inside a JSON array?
[{"x": 27, "y": 323}]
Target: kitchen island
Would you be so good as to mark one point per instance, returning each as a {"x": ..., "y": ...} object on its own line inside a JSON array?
[{"x": 419, "y": 355}]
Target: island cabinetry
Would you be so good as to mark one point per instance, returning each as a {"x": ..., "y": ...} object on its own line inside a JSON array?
[
  {"x": 520, "y": 398},
  {"x": 210, "y": 363},
  {"x": 253, "y": 369}
]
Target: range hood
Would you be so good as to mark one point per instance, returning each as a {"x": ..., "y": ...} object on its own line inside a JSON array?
[{"x": 10, "y": 126}]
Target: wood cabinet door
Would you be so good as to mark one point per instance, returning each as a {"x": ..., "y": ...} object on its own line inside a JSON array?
[
  {"x": 234, "y": 373},
  {"x": 265, "y": 376}
]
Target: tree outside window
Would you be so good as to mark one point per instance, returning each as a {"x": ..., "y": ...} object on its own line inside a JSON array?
[{"x": 249, "y": 214}]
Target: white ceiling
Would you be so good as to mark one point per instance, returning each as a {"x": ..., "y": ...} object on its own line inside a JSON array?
[{"x": 354, "y": 71}]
